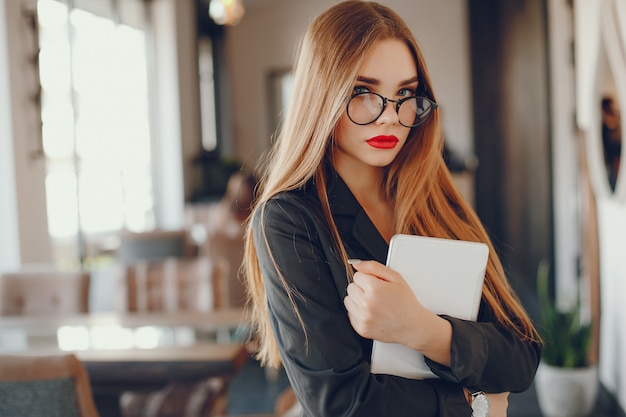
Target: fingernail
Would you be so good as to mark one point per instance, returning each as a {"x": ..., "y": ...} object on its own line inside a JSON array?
[{"x": 354, "y": 261}]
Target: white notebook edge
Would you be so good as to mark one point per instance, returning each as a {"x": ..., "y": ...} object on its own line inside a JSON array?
[{"x": 395, "y": 359}]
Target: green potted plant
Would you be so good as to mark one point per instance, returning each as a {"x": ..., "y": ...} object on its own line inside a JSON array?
[
  {"x": 567, "y": 339},
  {"x": 566, "y": 382}
]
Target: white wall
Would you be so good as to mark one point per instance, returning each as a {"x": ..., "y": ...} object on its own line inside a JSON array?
[
  {"x": 265, "y": 40},
  {"x": 22, "y": 192},
  {"x": 175, "y": 124},
  {"x": 167, "y": 121},
  {"x": 9, "y": 238},
  {"x": 599, "y": 27},
  {"x": 565, "y": 163}
]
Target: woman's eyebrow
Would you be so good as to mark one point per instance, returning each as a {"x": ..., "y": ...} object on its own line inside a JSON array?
[
  {"x": 374, "y": 81},
  {"x": 368, "y": 80}
]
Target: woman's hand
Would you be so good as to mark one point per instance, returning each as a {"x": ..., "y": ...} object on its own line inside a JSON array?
[
  {"x": 382, "y": 306},
  {"x": 380, "y": 303}
]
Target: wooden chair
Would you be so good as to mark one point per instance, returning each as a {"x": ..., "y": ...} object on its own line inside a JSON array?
[
  {"x": 168, "y": 285},
  {"x": 174, "y": 284},
  {"x": 42, "y": 386},
  {"x": 206, "y": 398},
  {"x": 220, "y": 245},
  {"x": 43, "y": 290}
]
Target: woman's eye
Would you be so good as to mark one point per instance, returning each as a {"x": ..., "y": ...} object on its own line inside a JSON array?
[
  {"x": 406, "y": 92},
  {"x": 360, "y": 89}
]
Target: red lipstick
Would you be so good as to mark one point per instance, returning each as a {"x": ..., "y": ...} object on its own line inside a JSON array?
[{"x": 383, "y": 142}]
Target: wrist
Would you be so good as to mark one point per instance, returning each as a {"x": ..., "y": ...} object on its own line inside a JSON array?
[
  {"x": 480, "y": 404},
  {"x": 434, "y": 338}
]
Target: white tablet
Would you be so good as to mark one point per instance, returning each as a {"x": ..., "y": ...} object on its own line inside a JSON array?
[{"x": 447, "y": 278}]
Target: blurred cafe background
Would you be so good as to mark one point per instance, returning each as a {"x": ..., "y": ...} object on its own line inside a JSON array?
[{"x": 129, "y": 135}]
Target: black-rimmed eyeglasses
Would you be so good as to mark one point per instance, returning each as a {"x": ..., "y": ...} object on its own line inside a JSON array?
[{"x": 366, "y": 107}]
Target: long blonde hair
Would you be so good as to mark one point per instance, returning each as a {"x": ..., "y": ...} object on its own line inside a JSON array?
[{"x": 417, "y": 182}]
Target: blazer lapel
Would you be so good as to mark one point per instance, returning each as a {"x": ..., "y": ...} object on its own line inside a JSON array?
[
  {"x": 367, "y": 235},
  {"x": 359, "y": 235}
]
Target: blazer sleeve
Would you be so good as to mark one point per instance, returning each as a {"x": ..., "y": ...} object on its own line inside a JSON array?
[
  {"x": 322, "y": 354},
  {"x": 488, "y": 356}
]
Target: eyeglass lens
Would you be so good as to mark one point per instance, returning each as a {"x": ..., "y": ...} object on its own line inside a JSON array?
[{"x": 365, "y": 108}]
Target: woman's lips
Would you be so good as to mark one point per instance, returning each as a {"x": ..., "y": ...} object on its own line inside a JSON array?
[{"x": 383, "y": 142}]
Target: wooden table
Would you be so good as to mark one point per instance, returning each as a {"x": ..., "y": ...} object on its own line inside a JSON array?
[
  {"x": 152, "y": 368},
  {"x": 113, "y": 370},
  {"x": 212, "y": 320}
]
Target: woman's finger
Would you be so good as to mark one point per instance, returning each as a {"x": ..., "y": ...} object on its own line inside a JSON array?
[{"x": 376, "y": 269}]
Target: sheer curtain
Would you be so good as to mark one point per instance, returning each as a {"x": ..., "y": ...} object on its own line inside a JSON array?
[
  {"x": 600, "y": 60},
  {"x": 95, "y": 123}
]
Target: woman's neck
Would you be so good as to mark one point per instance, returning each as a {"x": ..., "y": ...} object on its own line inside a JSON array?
[{"x": 366, "y": 186}]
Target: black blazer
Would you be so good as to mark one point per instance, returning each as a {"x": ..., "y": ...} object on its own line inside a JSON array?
[{"x": 328, "y": 365}]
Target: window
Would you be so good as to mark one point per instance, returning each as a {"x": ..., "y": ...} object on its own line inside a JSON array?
[
  {"x": 280, "y": 84},
  {"x": 207, "y": 94},
  {"x": 95, "y": 123}
]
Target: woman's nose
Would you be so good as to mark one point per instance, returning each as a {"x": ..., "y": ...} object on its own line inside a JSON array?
[{"x": 389, "y": 114}]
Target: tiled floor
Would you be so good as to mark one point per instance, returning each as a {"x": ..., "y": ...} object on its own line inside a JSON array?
[{"x": 251, "y": 393}]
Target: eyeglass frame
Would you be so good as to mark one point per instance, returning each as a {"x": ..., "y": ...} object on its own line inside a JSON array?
[{"x": 384, "y": 107}]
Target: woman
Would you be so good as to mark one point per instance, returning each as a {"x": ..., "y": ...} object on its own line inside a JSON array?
[{"x": 359, "y": 159}]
